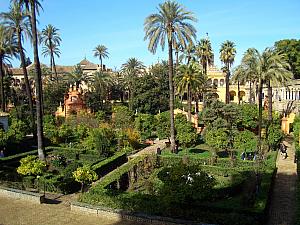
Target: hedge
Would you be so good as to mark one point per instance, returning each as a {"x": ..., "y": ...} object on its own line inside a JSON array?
[{"x": 109, "y": 164}]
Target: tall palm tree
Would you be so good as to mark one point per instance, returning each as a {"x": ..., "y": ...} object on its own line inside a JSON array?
[
  {"x": 189, "y": 79},
  {"x": 51, "y": 50},
  {"x": 33, "y": 7},
  {"x": 18, "y": 22},
  {"x": 206, "y": 58},
  {"x": 279, "y": 73},
  {"x": 8, "y": 49},
  {"x": 51, "y": 40},
  {"x": 169, "y": 24},
  {"x": 205, "y": 53},
  {"x": 77, "y": 76},
  {"x": 131, "y": 70},
  {"x": 188, "y": 53},
  {"x": 101, "y": 52},
  {"x": 227, "y": 55},
  {"x": 268, "y": 66}
]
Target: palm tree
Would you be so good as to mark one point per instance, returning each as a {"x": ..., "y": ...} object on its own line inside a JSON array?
[
  {"x": 170, "y": 24},
  {"x": 8, "y": 49},
  {"x": 268, "y": 66},
  {"x": 205, "y": 53},
  {"x": 33, "y": 7},
  {"x": 189, "y": 79},
  {"x": 131, "y": 70},
  {"x": 227, "y": 54},
  {"x": 51, "y": 50},
  {"x": 77, "y": 76},
  {"x": 17, "y": 21},
  {"x": 279, "y": 73},
  {"x": 101, "y": 83},
  {"x": 188, "y": 53},
  {"x": 206, "y": 58},
  {"x": 101, "y": 52},
  {"x": 51, "y": 40}
]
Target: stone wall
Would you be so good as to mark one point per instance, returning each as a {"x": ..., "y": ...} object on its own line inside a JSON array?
[{"x": 24, "y": 195}]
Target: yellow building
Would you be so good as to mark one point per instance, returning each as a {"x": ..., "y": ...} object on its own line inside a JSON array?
[{"x": 217, "y": 77}]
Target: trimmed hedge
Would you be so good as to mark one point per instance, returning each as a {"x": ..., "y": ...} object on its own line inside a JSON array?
[{"x": 104, "y": 167}]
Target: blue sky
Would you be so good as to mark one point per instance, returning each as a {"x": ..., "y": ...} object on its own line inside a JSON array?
[{"x": 118, "y": 25}]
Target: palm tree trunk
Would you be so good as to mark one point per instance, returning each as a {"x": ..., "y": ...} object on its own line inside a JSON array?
[
  {"x": 227, "y": 99},
  {"x": 259, "y": 113},
  {"x": 197, "y": 103},
  {"x": 101, "y": 65},
  {"x": 38, "y": 83},
  {"x": 177, "y": 59},
  {"x": 239, "y": 94},
  {"x": 250, "y": 94},
  {"x": 51, "y": 67},
  {"x": 189, "y": 103},
  {"x": 270, "y": 118},
  {"x": 27, "y": 85},
  {"x": 171, "y": 89},
  {"x": 54, "y": 68},
  {"x": 1, "y": 84}
]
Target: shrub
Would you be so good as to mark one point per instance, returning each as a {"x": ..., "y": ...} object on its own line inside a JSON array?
[
  {"x": 184, "y": 184},
  {"x": 30, "y": 165},
  {"x": 84, "y": 175},
  {"x": 217, "y": 138}
]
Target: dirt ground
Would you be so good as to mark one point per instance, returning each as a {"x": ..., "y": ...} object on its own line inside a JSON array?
[{"x": 20, "y": 212}]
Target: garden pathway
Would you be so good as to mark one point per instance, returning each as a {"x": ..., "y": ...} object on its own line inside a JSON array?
[
  {"x": 283, "y": 202},
  {"x": 152, "y": 148},
  {"x": 21, "y": 212}
]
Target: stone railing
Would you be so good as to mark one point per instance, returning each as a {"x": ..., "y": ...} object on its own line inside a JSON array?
[{"x": 24, "y": 195}]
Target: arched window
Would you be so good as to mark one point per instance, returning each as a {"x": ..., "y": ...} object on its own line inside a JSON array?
[
  {"x": 222, "y": 82},
  {"x": 216, "y": 82}
]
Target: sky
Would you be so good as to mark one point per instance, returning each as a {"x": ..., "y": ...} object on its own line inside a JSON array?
[{"x": 119, "y": 25}]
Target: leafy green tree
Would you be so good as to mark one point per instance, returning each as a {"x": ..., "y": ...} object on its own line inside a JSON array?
[
  {"x": 227, "y": 55},
  {"x": 3, "y": 138},
  {"x": 163, "y": 125},
  {"x": 145, "y": 124},
  {"x": 101, "y": 140},
  {"x": 291, "y": 49},
  {"x": 171, "y": 25},
  {"x": 275, "y": 136},
  {"x": 122, "y": 117},
  {"x": 185, "y": 132},
  {"x": 30, "y": 165},
  {"x": 101, "y": 52},
  {"x": 245, "y": 141},
  {"x": 33, "y": 7},
  {"x": 249, "y": 116},
  {"x": 84, "y": 175},
  {"x": 150, "y": 96},
  {"x": 51, "y": 40},
  {"x": 218, "y": 139},
  {"x": 17, "y": 131}
]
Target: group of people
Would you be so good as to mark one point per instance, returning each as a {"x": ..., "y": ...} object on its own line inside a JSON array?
[
  {"x": 248, "y": 156},
  {"x": 283, "y": 150}
]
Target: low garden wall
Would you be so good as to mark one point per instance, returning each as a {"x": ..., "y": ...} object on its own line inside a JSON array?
[
  {"x": 24, "y": 195},
  {"x": 121, "y": 214}
]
